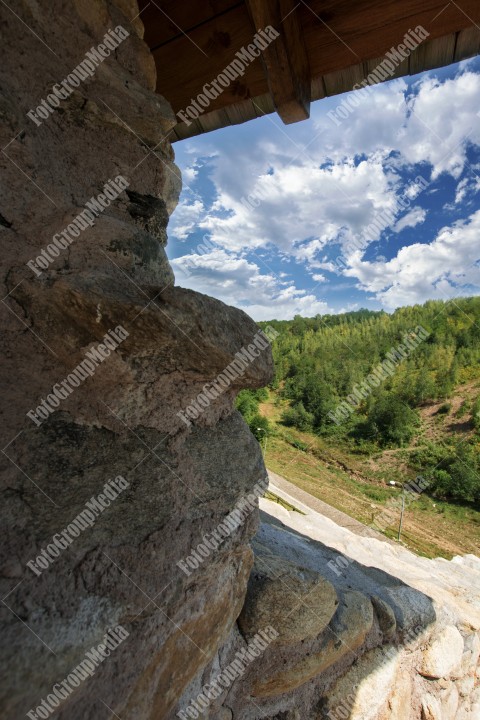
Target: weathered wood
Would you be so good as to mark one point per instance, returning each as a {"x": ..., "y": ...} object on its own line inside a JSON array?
[
  {"x": 183, "y": 68},
  {"x": 263, "y": 105},
  {"x": 468, "y": 43},
  {"x": 343, "y": 41},
  {"x": 433, "y": 54},
  {"x": 285, "y": 59},
  {"x": 339, "y": 33},
  {"x": 343, "y": 80},
  {"x": 401, "y": 69},
  {"x": 213, "y": 120},
  {"x": 165, "y": 20},
  {"x": 318, "y": 88},
  {"x": 241, "y": 112}
]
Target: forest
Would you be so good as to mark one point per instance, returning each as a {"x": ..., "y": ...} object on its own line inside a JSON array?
[{"x": 321, "y": 361}]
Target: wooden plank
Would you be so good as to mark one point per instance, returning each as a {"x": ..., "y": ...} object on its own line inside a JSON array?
[
  {"x": 285, "y": 59},
  {"x": 263, "y": 105},
  {"x": 335, "y": 36},
  {"x": 318, "y": 88},
  {"x": 185, "y": 131},
  {"x": 400, "y": 71},
  {"x": 241, "y": 112},
  {"x": 214, "y": 120},
  {"x": 468, "y": 44},
  {"x": 186, "y": 64},
  {"x": 339, "y": 33},
  {"x": 342, "y": 81},
  {"x": 166, "y": 20},
  {"x": 233, "y": 115},
  {"x": 433, "y": 54}
]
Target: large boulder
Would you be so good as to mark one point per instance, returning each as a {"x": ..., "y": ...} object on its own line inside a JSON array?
[{"x": 297, "y": 602}]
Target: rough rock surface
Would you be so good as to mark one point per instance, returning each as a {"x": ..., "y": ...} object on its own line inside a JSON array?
[
  {"x": 297, "y": 602},
  {"x": 352, "y": 636},
  {"x": 443, "y": 654},
  {"x": 183, "y": 480}
]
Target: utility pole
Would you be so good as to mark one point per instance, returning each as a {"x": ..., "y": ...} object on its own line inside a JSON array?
[{"x": 401, "y": 514}]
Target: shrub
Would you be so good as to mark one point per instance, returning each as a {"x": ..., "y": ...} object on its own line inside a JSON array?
[
  {"x": 259, "y": 425},
  {"x": 297, "y": 416},
  {"x": 391, "y": 421}
]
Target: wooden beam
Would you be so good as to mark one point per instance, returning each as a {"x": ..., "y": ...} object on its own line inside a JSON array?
[{"x": 285, "y": 59}]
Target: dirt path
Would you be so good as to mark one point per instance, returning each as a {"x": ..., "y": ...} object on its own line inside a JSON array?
[{"x": 338, "y": 517}]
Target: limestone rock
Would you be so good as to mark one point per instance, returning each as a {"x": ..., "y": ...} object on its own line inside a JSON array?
[
  {"x": 399, "y": 703},
  {"x": 346, "y": 633},
  {"x": 412, "y": 609},
  {"x": 364, "y": 689},
  {"x": 449, "y": 699},
  {"x": 431, "y": 708},
  {"x": 476, "y": 703},
  {"x": 470, "y": 656},
  {"x": 443, "y": 654},
  {"x": 465, "y": 686},
  {"x": 297, "y": 602}
]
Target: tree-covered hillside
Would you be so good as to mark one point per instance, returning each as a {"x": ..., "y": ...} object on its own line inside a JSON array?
[{"x": 363, "y": 378}]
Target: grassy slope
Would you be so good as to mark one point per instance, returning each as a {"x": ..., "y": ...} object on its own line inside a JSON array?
[{"x": 357, "y": 485}]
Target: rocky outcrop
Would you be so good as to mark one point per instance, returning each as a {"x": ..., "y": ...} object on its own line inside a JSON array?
[
  {"x": 402, "y": 644},
  {"x": 129, "y": 483},
  {"x": 63, "y": 295},
  {"x": 296, "y": 601}
]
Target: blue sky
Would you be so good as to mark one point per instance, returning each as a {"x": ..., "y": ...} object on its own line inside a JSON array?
[{"x": 325, "y": 215}]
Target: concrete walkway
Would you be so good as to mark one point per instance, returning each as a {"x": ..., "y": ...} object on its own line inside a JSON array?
[{"x": 294, "y": 495}]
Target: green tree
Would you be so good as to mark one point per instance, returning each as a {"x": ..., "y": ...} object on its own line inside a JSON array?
[
  {"x": 247, "y": 404},
  {"x": 391, "y": 421},
  {"x": 424, "y": 388},
  {"x": 297, "y": 416}
]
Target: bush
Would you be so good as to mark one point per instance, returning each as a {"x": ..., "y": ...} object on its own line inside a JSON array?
[
  {"x": 297, "y": 416},
  {"x": 259, "y": 425},
  {"x": 299, "y": 444},
  {"x": 247, "y": 404},
  {"x": 261, "y": 395},
  {"x": 454, "y": 472},
  {"x": 391, "y": 421}
]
